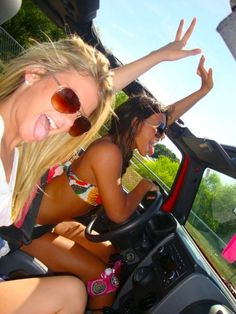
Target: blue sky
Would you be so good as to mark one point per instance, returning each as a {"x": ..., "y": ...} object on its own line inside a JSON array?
[{"x": 133, "y": 28}]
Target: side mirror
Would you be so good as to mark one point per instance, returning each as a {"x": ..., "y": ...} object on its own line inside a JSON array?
[
  {"x": 227, "y": 29},
  {"x": 8, "y": 8}
]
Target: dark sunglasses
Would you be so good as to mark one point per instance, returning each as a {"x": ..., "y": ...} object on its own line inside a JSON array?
[
  {"x": 65, "y": 100},
  {"x": 161, "y": 129}
]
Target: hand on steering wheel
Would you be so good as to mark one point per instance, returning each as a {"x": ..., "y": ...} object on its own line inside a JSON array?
[{"x": 124, "y": 228}]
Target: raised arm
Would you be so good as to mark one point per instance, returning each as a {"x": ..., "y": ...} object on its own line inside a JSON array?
[
  {"x": 173, "y": 51},
  {"x": 177, "y": 109}
]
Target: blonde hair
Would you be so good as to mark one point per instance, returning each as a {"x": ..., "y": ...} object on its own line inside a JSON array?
[{"x": 37, "y": 157}]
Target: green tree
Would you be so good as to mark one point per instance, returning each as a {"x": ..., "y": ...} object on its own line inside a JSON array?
[
  {"x": 31, "y": 22},
  {"x": 224, "y": 202},
  {"x": 121, "y": 97},
  {"x": 162, "y": 150},
  {"x": 215, "y": 202},
  {"x": 203, "y": 202},
  {"x": 222, "y": 206},
  {"x": 213, "y": 181},
  {"x": 162, "y": 167}
]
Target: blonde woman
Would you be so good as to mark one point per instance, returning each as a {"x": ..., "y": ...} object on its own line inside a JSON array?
[{"x": 50, "y": 89}]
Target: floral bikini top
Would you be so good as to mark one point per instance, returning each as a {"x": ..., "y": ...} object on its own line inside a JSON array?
[{"x": 84, "y": 190}]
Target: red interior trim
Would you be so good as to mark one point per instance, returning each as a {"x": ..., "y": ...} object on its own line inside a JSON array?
[{"x": 170, "y": 202}]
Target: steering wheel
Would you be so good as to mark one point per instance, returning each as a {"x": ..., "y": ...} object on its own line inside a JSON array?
[{"x": 126, "y": 227}]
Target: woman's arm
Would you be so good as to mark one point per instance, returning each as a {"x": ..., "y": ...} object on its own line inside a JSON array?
[
  {"x": 177, "y": 109},
  {"x": 106, "y": 162},
  {"x": 173, "y": 51}
]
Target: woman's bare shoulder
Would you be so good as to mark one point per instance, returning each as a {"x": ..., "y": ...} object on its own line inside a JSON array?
[
  {"x": 98, "y": 155},
  {"x": 104, "y": 146},
  {"x": 104, "y": 154}
]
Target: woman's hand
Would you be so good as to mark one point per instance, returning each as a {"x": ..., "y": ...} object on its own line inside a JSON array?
[
  {"x": 125, "y": 74},
  {"x": 206, "y": 76},
  {"x": 177, "y": 109},
  {"x": 174, "y": 50},
  {"x": 151, "y": 194},
  {"x": 150, "y": 185}
]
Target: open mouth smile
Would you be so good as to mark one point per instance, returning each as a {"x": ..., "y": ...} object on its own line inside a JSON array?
[{"x": 51, "y": 122}]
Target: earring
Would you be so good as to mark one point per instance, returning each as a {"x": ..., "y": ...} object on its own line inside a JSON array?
[{"x": 27, "y": 83}]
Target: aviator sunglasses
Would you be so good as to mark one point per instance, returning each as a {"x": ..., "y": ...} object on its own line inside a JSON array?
[
  {"x": 161, "y": 129},
  {"x": 65, "y": 100}
]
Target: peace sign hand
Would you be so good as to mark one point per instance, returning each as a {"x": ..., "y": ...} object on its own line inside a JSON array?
[{"x": 174, "y": 50}]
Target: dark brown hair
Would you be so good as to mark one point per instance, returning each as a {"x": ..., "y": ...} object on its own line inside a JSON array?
[{"x": 123, "y": 128}]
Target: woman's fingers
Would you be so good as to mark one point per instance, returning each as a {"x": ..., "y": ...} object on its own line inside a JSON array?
[
  {"x": 192, "y": 52},
  {"x": 201, "y": 69},
  {"x": 206, "y": 75},
  {"x": 189, "y": 31},
  {"x": 210, "y": 78},
  {"x": 174, "y": 50},
  {"x": 179, "y": 31},
  {"x": 181, "y": 40}
]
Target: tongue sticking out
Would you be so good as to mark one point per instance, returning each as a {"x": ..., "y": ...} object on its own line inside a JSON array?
[
  {"x": 42, "y": 128},
  {"x": 151, "y": 149}
]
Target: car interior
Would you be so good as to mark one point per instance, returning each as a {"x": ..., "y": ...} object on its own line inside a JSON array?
[{"x": 166, "y": 246}]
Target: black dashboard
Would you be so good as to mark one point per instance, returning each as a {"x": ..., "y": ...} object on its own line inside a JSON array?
[{"x": 174, "y": 278}]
